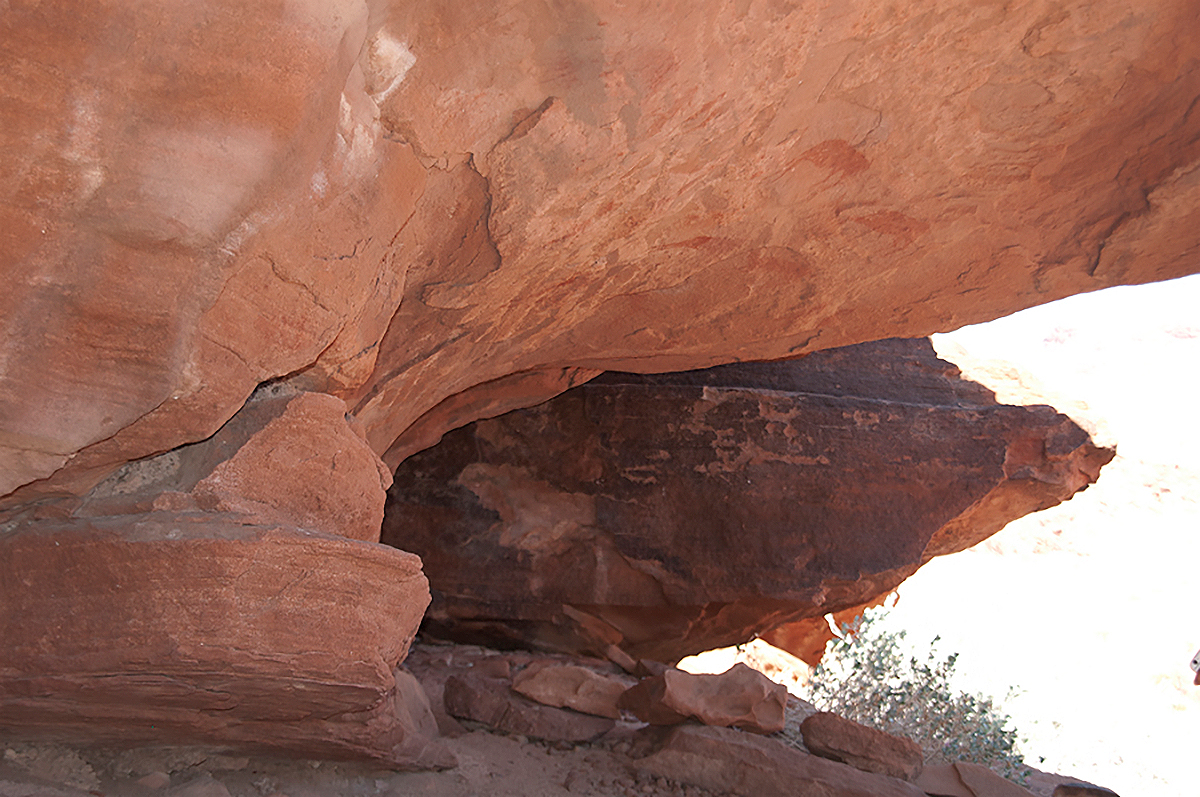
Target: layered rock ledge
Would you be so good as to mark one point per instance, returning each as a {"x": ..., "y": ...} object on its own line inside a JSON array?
[{"x": 185, "y": 629}]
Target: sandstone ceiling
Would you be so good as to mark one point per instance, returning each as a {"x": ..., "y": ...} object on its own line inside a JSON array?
[
  {"x": 257, "y": 255},
  {"x": 436, "y": 211}
]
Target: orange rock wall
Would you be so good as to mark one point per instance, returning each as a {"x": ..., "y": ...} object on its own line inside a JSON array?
[{"x": 438, "y": 211}]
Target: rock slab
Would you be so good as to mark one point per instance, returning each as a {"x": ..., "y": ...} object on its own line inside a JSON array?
[
  {"x": 740, "y": 697},
  {"x": 839, "y": 739},
  {"x": 315, "y": 195},
  {"x": 676, "y": 513},
  {"x": 962, "y": 779},
  {"x": 574, "y": 687},
  {"x": 180, "y": 629},
  {"x": 493, "y": 702},
  {"x": 725, "y": 760}
]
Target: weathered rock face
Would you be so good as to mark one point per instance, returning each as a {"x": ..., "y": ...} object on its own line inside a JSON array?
[
  {"x": 723, "y": 760},
  {"x": 740, "y": 698},
  {"x": 839, "y": 739},
  {"x": 287, "y": 458},
  {"x": 227, "y": 591},
  {"x": 436, "y": 212},
  {"x": 407, "y": 216},
  {"x": 183, "y": 629},
  {"x": 675, "y": 513}
]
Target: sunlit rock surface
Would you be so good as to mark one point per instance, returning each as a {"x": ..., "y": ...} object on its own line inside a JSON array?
[
  {"x": 425, "y": 213},
  {"x": 437, "y": 212}
]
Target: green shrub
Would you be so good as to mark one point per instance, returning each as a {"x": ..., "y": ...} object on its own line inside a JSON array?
[{"x": 874, "y": 677}]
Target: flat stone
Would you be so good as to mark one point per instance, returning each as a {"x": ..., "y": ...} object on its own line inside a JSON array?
[
  {"x": 573, "y": 687},
  {"x": 961, "y": 779},
  {"x": 868, "y": 749},
  {"x": 740, "y": 697},
  {"x": 193, "y": 629},
  {"x": 492, "y": 702}
]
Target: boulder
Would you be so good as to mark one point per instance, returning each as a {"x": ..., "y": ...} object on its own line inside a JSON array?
[
  {"x": 181, "y": 629},
  {"x": 728, "y": 761},
  {"x": 868, "y": 749},
  {"x": 677, "y": 513},
  {"x": 491, "y": 701},
  {"x": 574, "y": 687},
  {"x": 739, "y": 697}
]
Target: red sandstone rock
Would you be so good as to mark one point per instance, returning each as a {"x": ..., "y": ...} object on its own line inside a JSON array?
[
  {"x": 435, "y": 212},
  {"x": 202, "y": 786},
  {"x": 942, "y": 780},
  {"x": 870, "y": 750},
  {"x": 740, "y": 698},
  {"x": 1082, "y": 790},
  {"x": 289, "y": 459},
  {"x": 573, "y": 687},
  {"x": 725, "y": 760},
  {"x": 961, "y": 779},
  {"x": 492, "y": 702},
  {"x": 180, "y": 629},
  {"x": 305, "y": 468},
  {"x": 435, "y": 220},
  {"x": 806, "y": 639},
  {"x": 681, "y": 512}
]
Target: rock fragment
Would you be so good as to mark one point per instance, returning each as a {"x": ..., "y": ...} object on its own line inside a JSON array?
[
  {"x": 839, "y": 739},
  {"x": 740, "y": 697},
  {"x": 961, "y": 779},
  {"x": 573, "y": 687},
  {"x": 491, "y": 701}
]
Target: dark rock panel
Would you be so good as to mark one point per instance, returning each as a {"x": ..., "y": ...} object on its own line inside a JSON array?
[{"x": 675, "y": 513}]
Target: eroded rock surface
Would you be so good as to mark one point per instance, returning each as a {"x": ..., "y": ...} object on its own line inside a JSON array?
[
  {"x": 839, "y": 739},
  {"x": 185, "y": 629},
  {"x": 439, "y": 212},
  {"x": 418, "y": 214},
  {"x": 725, "y": 760},
  {"x": 740, "y": 698},
  {"x": 287, "y": 458},
  {"x": 676, "y": 513}
]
